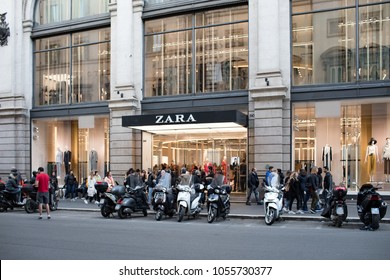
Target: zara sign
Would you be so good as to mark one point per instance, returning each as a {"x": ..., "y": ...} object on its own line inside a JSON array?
[{"x": 177, "y": 118}]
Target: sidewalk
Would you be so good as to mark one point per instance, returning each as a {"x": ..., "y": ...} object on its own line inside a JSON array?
[{"x": 239, "y": 209}]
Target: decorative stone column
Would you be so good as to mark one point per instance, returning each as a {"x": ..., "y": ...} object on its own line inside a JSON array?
[
  {"x": 126, "y": 81},
  {"x": 269, "y": 138}
]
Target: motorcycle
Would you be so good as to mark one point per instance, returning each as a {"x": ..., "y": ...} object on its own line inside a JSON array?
[
  {"x": 109, "y": 199},
  {"x": 31, "y": 198},
  {"x": 336, "y": 209},
  {"x": 188, "y": 200},
  {"x": 163, "y": 203},
  {"x": 7, "y": 199},
  {"x": 273, "y": 203},
  {"x": 133, "y": 201},
  {"x": 370, "y": 206},
  {"x": 218, "y": 202}
]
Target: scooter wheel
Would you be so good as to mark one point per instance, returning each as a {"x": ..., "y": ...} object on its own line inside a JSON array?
[
  {"x": 145, "y": 212},
  {"x": 158, "y": 215},
  {"x": 180, "y": 215},
  {"x": 121, "y": 213},
  {"x": 211, "y": 215},
  {"x": 105, "y": 211},
  {"x": 270, "y": 216},
  {"x": 375, "y": 222},
  {"x": 30, "y": 206}
]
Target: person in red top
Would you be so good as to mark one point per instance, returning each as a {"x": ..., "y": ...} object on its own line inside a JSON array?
[{"x": 42, "y": 182}]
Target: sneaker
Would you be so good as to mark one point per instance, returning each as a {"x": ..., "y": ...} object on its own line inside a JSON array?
[
  {"x": 300, "y": 212},
  {"x": 96, "y": 202},
  {"x": 73, "y": 199},
  {"x": 285, "y": 209},
  {"x": 40, "y": 218},
  {"x": 48, "y": 217},
  {"x": 291, "y": 212},
  {"x": 85, "y": 201},
  {"x": 312, "y": 211},
  {"x": 259, "y": 203},
  {"x": 248, "y": 203}
]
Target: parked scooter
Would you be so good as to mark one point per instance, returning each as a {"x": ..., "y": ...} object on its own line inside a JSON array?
[
  {"x": 188, "y": 199},
  {"x": 336, "y": 209},
  {"x": 134, "y": 200},
  {"x": 218, "y": 202},
  {"x": 109, "y": 199},
  {"x": 31, "y": 205},
  {"x": 273, "y": 203},
  {"x": 370, "y": 206},
  {"x": 163, "y": 202}
]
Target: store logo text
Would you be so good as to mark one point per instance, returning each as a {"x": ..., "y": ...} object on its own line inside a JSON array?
[{"x": 175, "y": 119}]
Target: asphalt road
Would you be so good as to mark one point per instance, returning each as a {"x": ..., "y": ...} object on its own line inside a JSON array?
[{"x": 72, "y": 235}]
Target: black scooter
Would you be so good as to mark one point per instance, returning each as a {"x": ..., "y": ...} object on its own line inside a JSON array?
[
  {"x": 163, "y": 202},
  {"x": 370, "y": 206},
  {"x": 218, "y": 202},
  {"x": 336, "y": 209},
  {"x": 134, "y": 200}
]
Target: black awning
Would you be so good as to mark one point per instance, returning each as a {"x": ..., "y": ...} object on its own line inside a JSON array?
[{"x": 186, "y": 121}]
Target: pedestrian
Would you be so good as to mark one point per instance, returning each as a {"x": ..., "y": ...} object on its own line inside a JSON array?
[
  {"x": 267, "y": 174},
  {"x": 286, "y": 192},
  {"x": 54, "y": 180},
  {"x": 320, "y": 189},
  {"x": 294, "y": 190},
  {"x": 302, "y": 178},
  {"x": 109, "y": 180},
  {"x": 253, "y": 184},
  {"x": 91, "y": 191},
  {"x": 328, "y": 183},
  {"x": 312, "y": 186},
  {"x": 70, "y": 182},
  {"x": 151, "y": 182},
  {"x": 42, "y": 183}
]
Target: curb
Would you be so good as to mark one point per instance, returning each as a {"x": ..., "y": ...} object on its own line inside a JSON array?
[{"x": 248, "y": 216}]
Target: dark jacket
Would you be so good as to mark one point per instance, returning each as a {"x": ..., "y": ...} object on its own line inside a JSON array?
[
  {"x": 312, "y": 182},
  {"x": 253, "y": 181},
  {"x": 328, "y": 182},
  {"x": 11, "y": 184}
]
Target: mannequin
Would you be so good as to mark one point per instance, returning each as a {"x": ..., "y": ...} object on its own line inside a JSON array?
[
  {"x": 93, "y": 159},
  {"x": 327, "y": 156},
  {"x": 67, "y": 159},
  {"x": 372, "y": 157},
  {"x": 386, "y": 159},
  {"x": 59, "y": 160}
]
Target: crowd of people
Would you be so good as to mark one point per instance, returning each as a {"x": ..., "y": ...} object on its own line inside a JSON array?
[{"x": 299, "y": 186}]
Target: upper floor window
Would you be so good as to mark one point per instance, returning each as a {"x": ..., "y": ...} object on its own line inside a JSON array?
[
  {"x": 341, "y": 42},
  {"x": 197, "y": 53},
  {"x": 53, "y": 11},
  {"x": 72, "y": 68}
]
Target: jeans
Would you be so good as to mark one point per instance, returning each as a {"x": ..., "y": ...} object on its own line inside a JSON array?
[
  {"x": 250, "y": 191},
  {"x": 70, "y": 189},
  {"x": 150, "y": 194}
]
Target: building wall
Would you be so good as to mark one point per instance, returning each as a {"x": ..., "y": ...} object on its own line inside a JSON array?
[{"x": 14, "y": 93}]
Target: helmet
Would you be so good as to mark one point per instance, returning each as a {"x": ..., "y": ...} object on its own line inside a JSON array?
[{"x": 14, "y": 171}]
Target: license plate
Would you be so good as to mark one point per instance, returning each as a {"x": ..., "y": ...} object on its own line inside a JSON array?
[
  {"x": 374, "y": 210},
  {"x": 340, "y": 211}
]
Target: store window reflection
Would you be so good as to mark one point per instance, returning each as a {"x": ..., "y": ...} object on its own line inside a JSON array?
[
  {"x": 87, "y": 54},
  {"x": 337, "y": 133},
  {"x": 81, "y": 136},
  {"x": 324, "y": 42},
  {"x": 220, "y": 52}
]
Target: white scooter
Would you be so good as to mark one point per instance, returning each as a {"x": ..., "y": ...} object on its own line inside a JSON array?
[
  {"x": 273, "y": 203},
  {"x": 188, "y": 199}
]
